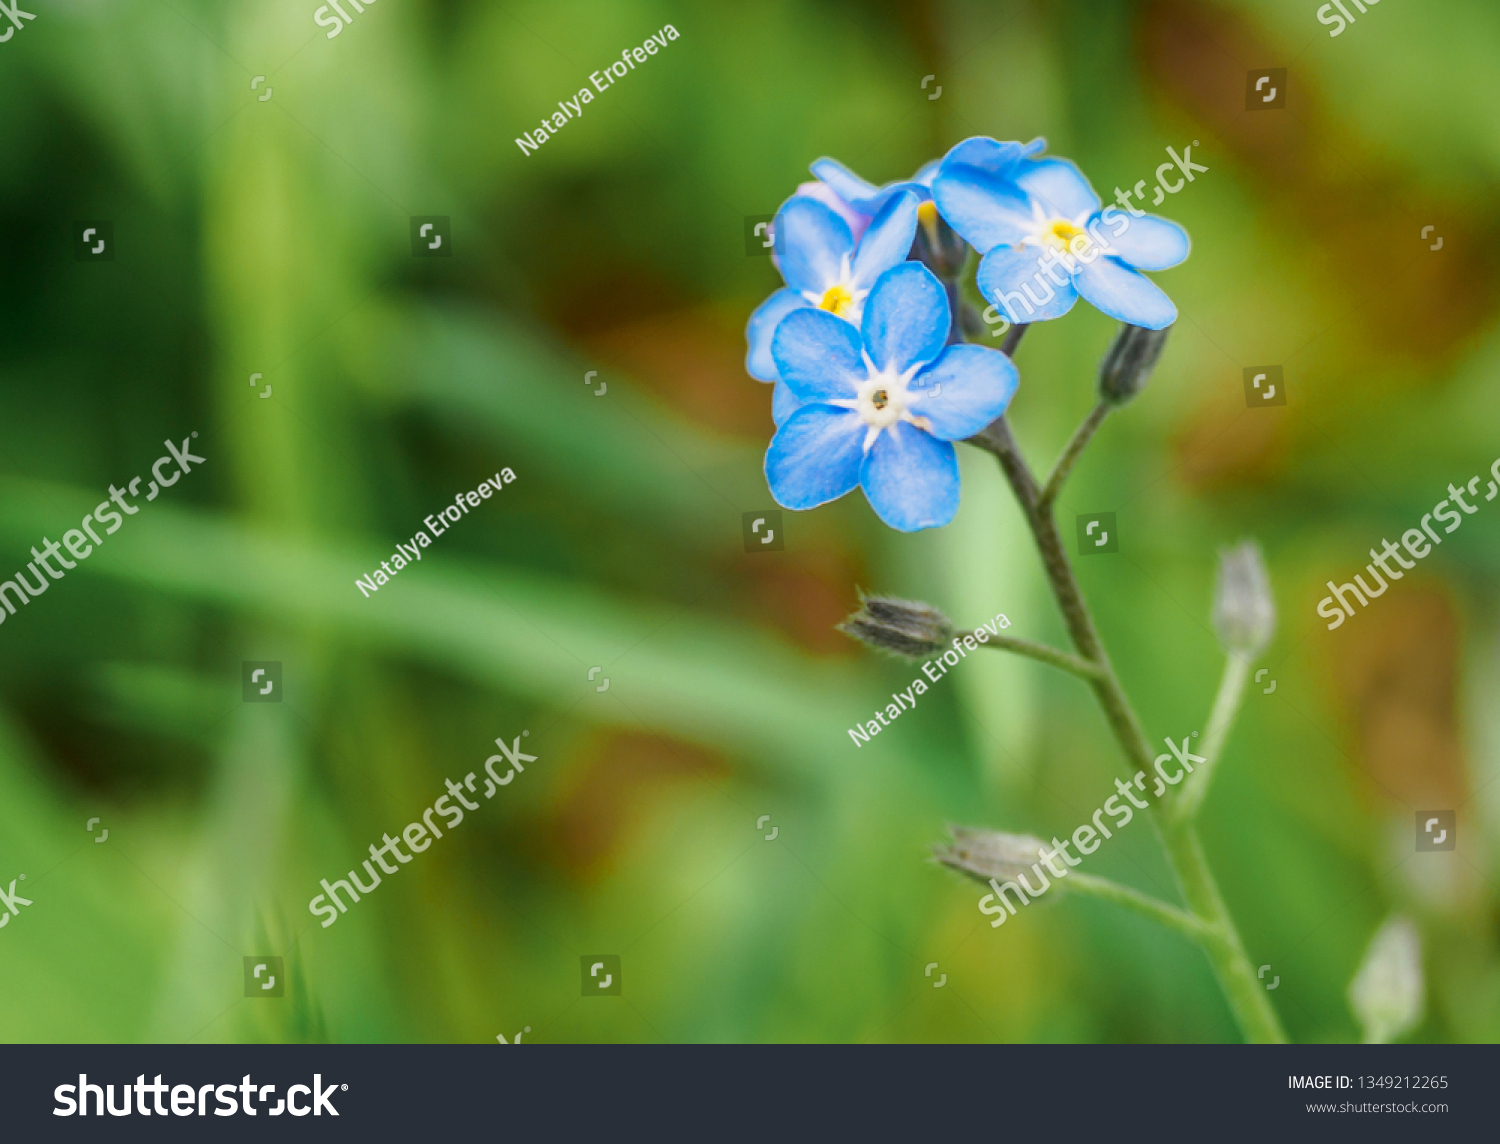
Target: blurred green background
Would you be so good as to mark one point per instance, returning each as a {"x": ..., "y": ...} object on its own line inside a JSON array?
[{"x": 272, "y": 236}]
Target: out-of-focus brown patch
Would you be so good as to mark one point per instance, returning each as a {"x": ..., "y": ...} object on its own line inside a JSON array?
[
  {"x": 805, "y": 598},
  {"x": 1213, "y": 451},
  {"x": 614, "y": 784},
  {"x": 1394, "y": 670},
  {"x": 1357, "y": 217},
  {"x": 1325, "y": 184},
  {"x": 695, "y": 360}
]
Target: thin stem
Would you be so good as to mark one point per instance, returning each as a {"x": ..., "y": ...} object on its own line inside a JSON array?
[
  {"x": 1170, "y": 916},
  {"x": 1253, "y": 1011},
  {"x": 1244, "y": 991},
  {"x": 1079, "y": 667},
  {"x": 955, "y": 308},
  {"x": 1012, "y": 339},
  {"x": 1220, "y": 719},
  {"x": 1081, "y": 437},
  {"x": 998, "y": 440}
]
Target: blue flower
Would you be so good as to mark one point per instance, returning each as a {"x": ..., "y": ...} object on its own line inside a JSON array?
[
  {"x": 866, "y": 198},
  {"x": 883, "y": 403},
  {"x": 1038, "y": 223},
  {"x": 824, "y": 268}
]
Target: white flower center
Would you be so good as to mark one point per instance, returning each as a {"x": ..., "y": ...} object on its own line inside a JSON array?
[{"x": 882, "y": 398}]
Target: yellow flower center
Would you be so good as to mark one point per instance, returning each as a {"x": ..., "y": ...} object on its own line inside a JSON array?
[
  {"x": 927, "y": 215},
  {"x": 1062, "y": 232},
  {"x": 837, "y": 300},
  {"x": 879, "y": 399}
]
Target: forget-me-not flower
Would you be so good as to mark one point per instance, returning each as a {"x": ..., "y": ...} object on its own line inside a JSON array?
[
  {"x": 1039, "y": 226},
  {"x": 858, "y": 199},
  {"x": 824, "y": 269},
  {"x": 866, "y": 198},
  {"x": 881, "y": 404}
]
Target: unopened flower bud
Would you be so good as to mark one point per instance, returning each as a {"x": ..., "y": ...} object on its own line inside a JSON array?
[
  {"x": 1386, "y": 993},
  {"x": 1127, "y": 366},
  {"x": 937, "y": 245},
  {"x": 986, "y": 854},
  {"x": 903, "y": 627},
  {"x": 1244, "y": 612}
]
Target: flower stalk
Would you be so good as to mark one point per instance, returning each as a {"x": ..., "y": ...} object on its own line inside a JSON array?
[
  {"x": 1186, "y": 924},
  {"x": 1226, "y": 706},
  {"x": 848, "y": 248},
  {"x": 1081, "y": 437},
  {"x": 1082, "y": 668},
  {"x": 1215, "y": 933}
]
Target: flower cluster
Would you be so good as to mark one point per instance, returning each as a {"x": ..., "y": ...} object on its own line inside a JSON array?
[{"x": 872, "y": 381}]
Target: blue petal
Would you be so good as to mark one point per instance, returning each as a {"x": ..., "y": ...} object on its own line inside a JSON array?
[
  {"x": 986, "y": 210},
  {"x": 985, "y": 153},
  {"x": 1059, "y": 183},
  {"x": 1012, "y": 278},
  {"x": 844, "y": 182},
  {"x": 886, "y": 193},
  {"x": 976, "y": 383},
  {"x": 1125, "y": 294},
  {"x": 815, "y": 457},
  {"x": 906, "y": 319},
  {"x": 762, "y": 324},
  {"x": 1036, "y": 146},
  {"x": 783, "y": 403},
  {"x": 854, "y": 218},
  {"x": 888, "y": 241},
  {"x": 1152, "y": 243},
  {"x": 911, "y": 479},
  {"x": 818, "y": 355},
  {"x": 810, "y": 242}
]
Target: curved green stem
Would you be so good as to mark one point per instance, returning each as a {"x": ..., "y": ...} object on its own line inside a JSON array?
[
  {"x": 1244, "y": 991},
  {"x": 1220, "y": 719},
  {"x": 1247, "y": 999},
  {"x": 1170, "y": 916},
  {"x": 1079, "y": 667},
  {"x": 1070, "y": 455}
]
